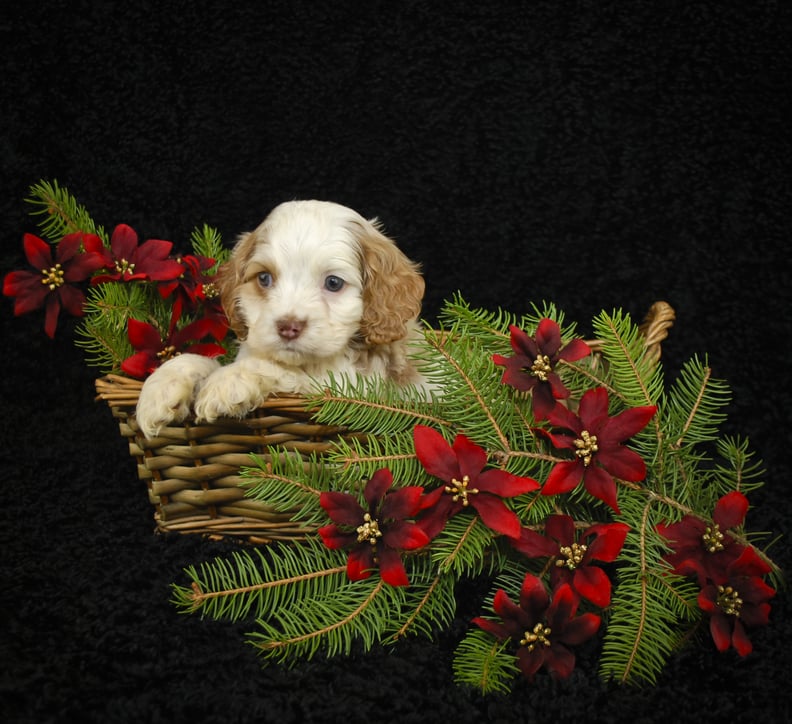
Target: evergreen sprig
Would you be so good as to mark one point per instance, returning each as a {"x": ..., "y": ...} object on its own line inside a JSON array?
[
  {"x": 653, "y": 611},
  {"x": 59, "y": 213}
]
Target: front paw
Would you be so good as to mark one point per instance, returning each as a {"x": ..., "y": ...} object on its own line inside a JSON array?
[
  {"x": 168, "y": 393},
  {"x": 230, "y": 392}
]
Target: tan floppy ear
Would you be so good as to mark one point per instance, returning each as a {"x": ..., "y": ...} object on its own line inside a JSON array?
[
  {"x": 392, "y": 288},
  {"x": 230, "y": 277}
]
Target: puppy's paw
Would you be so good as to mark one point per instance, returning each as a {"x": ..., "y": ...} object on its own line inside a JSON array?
[
  {"x": 167, "y": 394},
  {"x": 230, "y": 391}
]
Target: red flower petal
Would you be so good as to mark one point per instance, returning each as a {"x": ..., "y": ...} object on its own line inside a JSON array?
[
  {"x": 561, "y": 417},
  {"x": 504, "y": 484},
  {"x": 51, "y": 311},
  {"x": 403, "y": 535},
  {"x": 360, "y": 563},
  {"x": 143, "y": 335},
  {"x": 498, "y": 630},
  {"x": 471, "y": 458},
  {"x": 721, "y": 632},
  {"x": 333, "y": 538},
  {"x": 37, "y": 251},
  {"x": 592, "y": 583},
  {"x": 581, "y": 629},
  {"x": 621, "y": 462},
  {"x": 72, "y": 300},
  {"x": 496, "y": 515},
  {"x": 608, "y": 541},
  {"x": 740, "y": 640},
  {"x": 564, "y": 476},
  {"x": 402, "y": 503},
  {"x": 559, "y": 662},
  {"x": 435, "y": 453},
  {"x": 534, "y": 545},
  {"x": 140, "y": 365},
  {"x": 576, "y": 349},
  {"x": 342, "y": 508},
  {"x": 124, "y": 242},
  {"x": 561, "y": 528},
  {"x": 548, "y": 337},
  {"x": 377, "y": 486},
  {"x": 730, "y": 510},
  {"x": 391, "y": 568},
  {"x": 627, "y": 423},
  {"x": 601, "y": 486},
  {"x": 593, "y": 406}
]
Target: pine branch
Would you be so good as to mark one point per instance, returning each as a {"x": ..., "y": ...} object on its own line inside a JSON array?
[
  {"x": 258, "y": 580},
  {"x": 207, "y": 242},
  {"x": 695, "y": 404},
  {"x": 483, "y": 662},
  {"x": 354, "y": 611},
  {"x": 646, "y": 611},
  {"x": 59, "y": 212},
  {"x": 373, "y": 405}
]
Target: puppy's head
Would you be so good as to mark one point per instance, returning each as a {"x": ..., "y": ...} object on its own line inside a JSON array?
[{"x": 315, "y": 276}]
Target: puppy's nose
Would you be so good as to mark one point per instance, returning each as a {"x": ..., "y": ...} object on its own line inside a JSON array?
[{"x": 290, "y": 328}]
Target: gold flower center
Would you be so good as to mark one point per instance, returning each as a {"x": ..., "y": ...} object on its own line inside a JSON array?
[
  {"x": 53, "y": 277},
  {"x": 729, "y": 600},
  {"x": 713, "y": 538},
  {"x": 571, "y": 556},
  {"x": 369, "y": 531},
  {"x": 167, "y": 353},
  {"x": 541, "y": 367},
  {"x": 538, "y": 636},
  {"x": 210, "y": 290},
  {"x": 586, "y": 447},
  {"x": 460, "y": 490},
  {"x": 124, "y": 267}
]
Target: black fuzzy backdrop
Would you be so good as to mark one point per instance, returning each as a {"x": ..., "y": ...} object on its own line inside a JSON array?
[{"x": 598, "y": 155}]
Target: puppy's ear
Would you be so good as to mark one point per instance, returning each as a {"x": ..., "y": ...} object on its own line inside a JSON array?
[
  {"x": 392, "y": 287},
  {"x": 230, "y": 278}
]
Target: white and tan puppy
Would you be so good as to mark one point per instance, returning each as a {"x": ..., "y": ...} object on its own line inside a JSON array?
[{"x": 315, "y": 290}]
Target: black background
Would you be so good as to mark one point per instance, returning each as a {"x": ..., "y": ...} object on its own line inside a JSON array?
[{"x": 597, "y": 155}]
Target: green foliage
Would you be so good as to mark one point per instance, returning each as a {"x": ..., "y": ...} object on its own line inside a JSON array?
[
  {"x": 486, "y": 664},
  {"x": 59, "y": 213},
  {"x": 206, "y": 241},
  {"x": 102, "y": 332},
  {"x": 653, "y": 611}
]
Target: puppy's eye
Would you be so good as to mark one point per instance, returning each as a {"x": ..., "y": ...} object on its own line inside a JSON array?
[
  {"x": 334, "y": 283},
  {"x": 265, "y": 279}
]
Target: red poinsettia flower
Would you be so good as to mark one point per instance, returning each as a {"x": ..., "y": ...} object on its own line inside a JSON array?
[
  {"x": 574, "y": 552},
  {"x": 54, "y": 283},
  {"x": 543, "y": 629},
  {"x": 737, "y": 599},
  {"x": 461, "y": 466},
  {"x": 127, "y": 261},
  {"x": 375, "y": 534},
  {"x": 703, "y": 548},
  {"x": 532, "y": 368},
  {"x": 190, "y": 287},
  {"x": 152, "y": 350},
  {"x": 597, "y": 442}
]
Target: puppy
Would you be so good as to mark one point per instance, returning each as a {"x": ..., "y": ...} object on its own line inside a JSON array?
[{"x": 315, "y": 289}]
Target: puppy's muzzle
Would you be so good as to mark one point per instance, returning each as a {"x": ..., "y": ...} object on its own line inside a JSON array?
[{"x": 289, "y": 328}]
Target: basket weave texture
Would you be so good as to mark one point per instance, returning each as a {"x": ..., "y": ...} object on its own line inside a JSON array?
[{"x": 192, "y": 470}]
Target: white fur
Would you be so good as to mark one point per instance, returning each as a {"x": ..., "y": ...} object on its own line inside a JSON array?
[{"x": 295, "y": 326}]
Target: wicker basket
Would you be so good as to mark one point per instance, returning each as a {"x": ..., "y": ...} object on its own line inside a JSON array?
[{"x": 192, "y": 470}]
